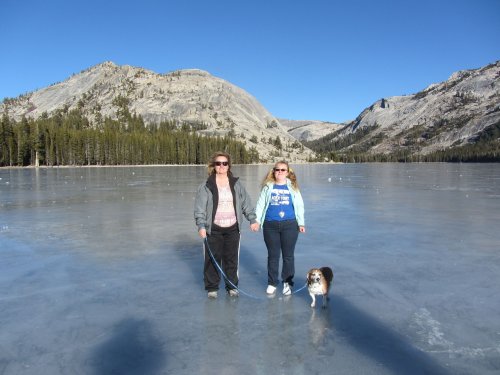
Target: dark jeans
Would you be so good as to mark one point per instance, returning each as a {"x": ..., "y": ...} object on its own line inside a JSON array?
[
  {"x": 280, "y": 238},
  {"x": 225, "y": 246}
]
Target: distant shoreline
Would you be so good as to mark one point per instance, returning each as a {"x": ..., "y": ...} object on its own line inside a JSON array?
[{"x": 147, "y": 165}]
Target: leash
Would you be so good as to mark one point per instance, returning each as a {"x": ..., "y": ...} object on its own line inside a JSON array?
[
  {"x": 298, "y": 290},
  {"x": 229, "y": 281},
  {"x": 224, "y": 275}
]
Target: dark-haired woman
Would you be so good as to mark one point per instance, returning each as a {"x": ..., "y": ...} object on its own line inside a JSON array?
[{"x": 220, "y": 205}]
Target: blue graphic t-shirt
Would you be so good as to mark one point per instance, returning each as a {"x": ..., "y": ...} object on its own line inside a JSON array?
[{"x": 280, "y": 207}]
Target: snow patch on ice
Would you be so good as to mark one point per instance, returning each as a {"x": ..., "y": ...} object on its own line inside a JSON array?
[{"x": 429, "y": 330}]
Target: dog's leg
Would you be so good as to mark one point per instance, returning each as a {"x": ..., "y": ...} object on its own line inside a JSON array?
[
  {"x": 325, "y": 300},
  {"x": 313, "y": 299}
]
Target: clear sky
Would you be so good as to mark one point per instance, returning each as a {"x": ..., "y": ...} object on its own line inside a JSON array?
[{"x": 302, "y": 59}]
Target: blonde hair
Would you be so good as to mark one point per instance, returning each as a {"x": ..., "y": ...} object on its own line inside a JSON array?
[
  {"x": 291, "y": 175},
  {"x": 211, "y": 163}
]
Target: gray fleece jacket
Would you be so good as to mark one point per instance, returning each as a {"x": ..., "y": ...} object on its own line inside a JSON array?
[{"x": 207, "y": 197}]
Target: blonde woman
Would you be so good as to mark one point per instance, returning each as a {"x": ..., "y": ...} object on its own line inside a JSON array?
[
  {"x": 220, "y": 205},
  {"x": 280, "y": 213}
]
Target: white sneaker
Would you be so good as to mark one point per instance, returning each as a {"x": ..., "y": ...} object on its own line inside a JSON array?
[
  {"x": 212, "y": 294},
  {"x": 270, "y": 289},
  {"x": 233, "y": 292},
  {"x": 287, "y": 289}
]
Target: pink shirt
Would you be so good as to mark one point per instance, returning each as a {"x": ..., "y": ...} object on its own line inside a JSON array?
[{"x": 225, "y": 215}]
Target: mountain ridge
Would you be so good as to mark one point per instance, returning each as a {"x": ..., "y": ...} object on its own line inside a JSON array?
[
  {"x": 190, "y": 95},
  {"x": 445, "y": 115}
]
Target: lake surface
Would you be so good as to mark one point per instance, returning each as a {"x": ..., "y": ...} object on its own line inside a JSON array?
[{"x": 101, "y": 273}]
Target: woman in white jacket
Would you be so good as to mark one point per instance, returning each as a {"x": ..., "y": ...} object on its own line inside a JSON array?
[{"x": 280, "y": 213}]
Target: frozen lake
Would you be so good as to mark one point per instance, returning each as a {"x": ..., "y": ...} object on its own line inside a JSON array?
[{"x": 101, "y": 273}]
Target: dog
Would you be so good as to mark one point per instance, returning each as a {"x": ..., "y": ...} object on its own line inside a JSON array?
[{"x": 319, "y": 281}]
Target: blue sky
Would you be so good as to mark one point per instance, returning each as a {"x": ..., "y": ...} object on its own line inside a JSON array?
[{"x": 316, "y": 59}]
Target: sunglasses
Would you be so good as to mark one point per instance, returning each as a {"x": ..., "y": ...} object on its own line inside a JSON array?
[
  {"x": 219, "y": 163},
  {"x": 280, "y": 170}
]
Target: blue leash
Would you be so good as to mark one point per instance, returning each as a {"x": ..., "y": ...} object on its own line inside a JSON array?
[{"x": 229, "y": 281}]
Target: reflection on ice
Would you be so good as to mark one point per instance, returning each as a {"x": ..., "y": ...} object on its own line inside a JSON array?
[{"x": 101, "y": 272}]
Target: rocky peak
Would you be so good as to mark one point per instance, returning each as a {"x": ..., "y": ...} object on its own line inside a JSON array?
[
  {"x": 190, "y": 95},
  {"x": 443, "y": 115}
]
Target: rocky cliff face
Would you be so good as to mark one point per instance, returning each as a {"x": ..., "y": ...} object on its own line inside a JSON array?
[
  {"x": 309, "y": 130},
  {"x": 448, "y": 114},
  {"x": 183, "y": 96}
]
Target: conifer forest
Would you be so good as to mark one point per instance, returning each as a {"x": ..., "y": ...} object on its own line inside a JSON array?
[{"x": 68, "y": 138}]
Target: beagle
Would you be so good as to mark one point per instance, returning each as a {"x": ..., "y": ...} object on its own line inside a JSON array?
[{"x": 318, "y": 283}]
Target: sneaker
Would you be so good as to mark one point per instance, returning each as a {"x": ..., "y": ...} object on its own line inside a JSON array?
[
  {"x": 212, "y": 294},
  {"x": 270, "y": 289},
  {"x": 287, "y": 289},
  {"x": 233, "y": 292}
]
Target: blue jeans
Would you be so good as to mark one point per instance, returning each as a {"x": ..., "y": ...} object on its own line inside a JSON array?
[{"x": 280, "y": 238}]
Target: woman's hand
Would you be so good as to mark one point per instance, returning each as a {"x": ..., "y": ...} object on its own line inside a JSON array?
[
  {"x": 202, "y": 232},
  {"x": 302, "y": 229},
  {"x": 255, "y": 227}
]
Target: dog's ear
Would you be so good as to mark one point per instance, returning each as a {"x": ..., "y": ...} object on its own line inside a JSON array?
[{"x": 308, "y": 279}]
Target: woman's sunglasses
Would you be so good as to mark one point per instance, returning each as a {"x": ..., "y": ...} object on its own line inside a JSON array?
[
  {"x": 219, "y": 163},
  {"x": 280, "y": 170}
]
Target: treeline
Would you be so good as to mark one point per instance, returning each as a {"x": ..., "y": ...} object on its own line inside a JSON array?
[
  {"x": 69, "y": 138},
  {"x": 463, "y": 154}
]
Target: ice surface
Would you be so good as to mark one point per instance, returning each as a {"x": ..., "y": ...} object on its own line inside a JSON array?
[{"x": 101, "y": 273}]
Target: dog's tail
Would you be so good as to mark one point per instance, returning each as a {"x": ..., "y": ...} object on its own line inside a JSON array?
[{"x": 327, "y": 273}]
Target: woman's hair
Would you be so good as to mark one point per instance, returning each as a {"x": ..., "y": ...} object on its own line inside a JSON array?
[
  {"x": 211, "y": 163},
  {"x": 270, "y": 177}
]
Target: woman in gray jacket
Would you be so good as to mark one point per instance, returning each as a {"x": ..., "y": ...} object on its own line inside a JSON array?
[{"x": 220, "y": 205}]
